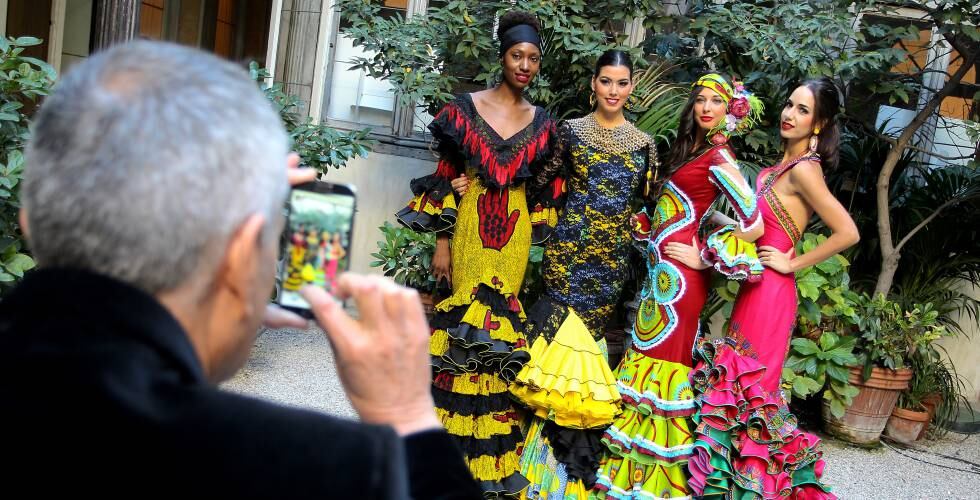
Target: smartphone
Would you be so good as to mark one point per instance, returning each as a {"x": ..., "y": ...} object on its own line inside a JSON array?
[{"x": 317, "y": 239}]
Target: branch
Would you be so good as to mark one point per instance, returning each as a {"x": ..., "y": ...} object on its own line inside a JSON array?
[
  {"x": 937, "y": 155},
  {"x": 922, "y": 224}
]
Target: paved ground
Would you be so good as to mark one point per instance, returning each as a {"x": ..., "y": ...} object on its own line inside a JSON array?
[{"x": 296, "y": 368}]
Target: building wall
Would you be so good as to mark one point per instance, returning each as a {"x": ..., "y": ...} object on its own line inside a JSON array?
[
  {"x": 381, "y": 182},
  {"x": 964, "y": 352}
]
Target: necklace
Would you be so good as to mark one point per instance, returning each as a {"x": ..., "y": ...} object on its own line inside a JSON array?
[{"x": 622, "y": 139}]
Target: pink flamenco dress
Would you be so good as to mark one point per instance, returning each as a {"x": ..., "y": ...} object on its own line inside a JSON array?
[
  {"x": 748, "y": 445},
  {"x": 648, "y": 444}
]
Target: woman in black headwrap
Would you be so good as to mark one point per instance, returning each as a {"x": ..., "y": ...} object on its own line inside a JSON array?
[{"x": 494, "y": 140}]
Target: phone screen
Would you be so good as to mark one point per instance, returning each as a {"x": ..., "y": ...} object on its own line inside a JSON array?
[{"x": 318, "y": 237}]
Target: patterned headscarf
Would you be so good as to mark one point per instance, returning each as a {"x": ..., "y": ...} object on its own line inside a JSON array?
[{"x": 743, "y": 109}]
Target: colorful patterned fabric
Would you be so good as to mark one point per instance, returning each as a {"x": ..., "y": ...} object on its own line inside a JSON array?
[
  {"x": 477, "y": 345},
  {"x": 748, "y": 444},
  {"x": 732, "y": 256},
  {"x": 568, "y": 383},
  {"x": 648, "y": 444}
]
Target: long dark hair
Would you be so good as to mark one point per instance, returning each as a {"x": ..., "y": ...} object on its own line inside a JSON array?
[
  {"x": 825, "y": 110},
  {"x": 687, "y": 135},
  {"x": 613, "y": 57}
]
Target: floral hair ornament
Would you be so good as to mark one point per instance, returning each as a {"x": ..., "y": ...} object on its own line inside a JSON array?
[{"x": 743, "y": 112}]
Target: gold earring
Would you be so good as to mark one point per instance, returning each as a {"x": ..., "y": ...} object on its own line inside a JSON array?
[
  {"x": 592, "y": 100},
  {"x": 816, "y": 131}
]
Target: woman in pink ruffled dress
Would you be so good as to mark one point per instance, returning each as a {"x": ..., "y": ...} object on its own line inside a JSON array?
[{"x": 747, "y": 442}]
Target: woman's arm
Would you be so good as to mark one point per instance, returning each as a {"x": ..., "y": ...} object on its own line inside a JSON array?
[
  {"x": 740, "y": 195},
  {"x": 807, "y": 179}
]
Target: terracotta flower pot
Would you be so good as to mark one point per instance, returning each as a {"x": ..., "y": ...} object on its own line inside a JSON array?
[
  {"x": 930, "y": 403},
  {"x": 867, "y": 416},
  {"x": 906, "y": 425},
  {"x": 427, "y": 304}
]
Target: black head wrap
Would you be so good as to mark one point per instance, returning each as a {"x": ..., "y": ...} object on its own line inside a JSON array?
[{"x": 519, "y": 34}]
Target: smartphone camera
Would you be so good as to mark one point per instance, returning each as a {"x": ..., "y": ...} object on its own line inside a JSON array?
[{"x": 317, "y": 240}]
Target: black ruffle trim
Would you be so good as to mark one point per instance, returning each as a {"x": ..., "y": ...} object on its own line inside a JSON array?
[
  {"x": 437, "y": 187},
  {"x": 469, "y": 405},
  {"x": 509, "y": 487},
  {"x": 494, "y": 446},
  {"x": 448, "y": 136},
  {"x": 578, "y": 449},
  {"x": 423, "y": 222},
  {"x": 544, "y": 318}
]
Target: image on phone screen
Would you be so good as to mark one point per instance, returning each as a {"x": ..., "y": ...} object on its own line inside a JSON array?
[{"x": 318, "y": 242}]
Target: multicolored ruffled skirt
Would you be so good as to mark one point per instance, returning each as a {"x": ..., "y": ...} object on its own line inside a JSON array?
[
  {"x": 748, "y": 444},
  {"x": 648, "y": 445}
]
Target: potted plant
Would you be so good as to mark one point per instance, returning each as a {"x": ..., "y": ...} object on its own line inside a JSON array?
[
  {"x": 823, "y": 367},
  {"x": 890, "y": 336},
  {"x": 936, "y": 388},
  {"x": 406, "y": 256}
]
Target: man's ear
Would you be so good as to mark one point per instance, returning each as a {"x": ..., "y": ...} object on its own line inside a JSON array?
[
  {"x": 243, "y": 250},
  {"x": 22, "y": 219}
]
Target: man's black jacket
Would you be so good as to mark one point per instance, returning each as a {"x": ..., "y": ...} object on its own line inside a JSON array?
[{"x": 102, "y": 393}]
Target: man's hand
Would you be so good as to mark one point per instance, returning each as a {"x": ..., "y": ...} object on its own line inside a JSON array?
[
  {"x": 383, "y": 357},
  {"x": 275, "y": 316}
]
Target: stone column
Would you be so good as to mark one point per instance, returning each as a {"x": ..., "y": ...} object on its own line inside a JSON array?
[{"x": 115, "y": 21}]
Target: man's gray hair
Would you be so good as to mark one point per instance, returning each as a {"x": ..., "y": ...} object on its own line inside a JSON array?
[{"x": 145, "y": 159}]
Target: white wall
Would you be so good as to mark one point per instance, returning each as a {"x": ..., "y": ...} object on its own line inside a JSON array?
[
  {"x": 382, "y": 188},
  {"x": 964, "y": 352},
  {"x": 78, "y": 24}
]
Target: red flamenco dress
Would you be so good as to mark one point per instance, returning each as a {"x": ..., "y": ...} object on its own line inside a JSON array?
[
  {"x": 748, "y": 445},
  {"x": 650, "y": 441}
]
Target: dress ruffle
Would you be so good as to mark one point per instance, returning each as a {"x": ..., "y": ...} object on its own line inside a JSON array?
[
  {"x": 427, "y": 212},
  {"x": 550, "y": 478},
  {"x": 455, "y": 123},
  {"x": 568, "y": 380},
  {"x": 477, "y": 346},
  {"x": 649, "y": 443},
  {"x": 748, "y": 443},
  {"x": 731, "y": 256},
  {"x": 545, "y": 208}
]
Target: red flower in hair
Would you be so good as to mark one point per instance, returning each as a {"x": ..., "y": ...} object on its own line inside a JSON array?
[{"x": 739, "y": 107}]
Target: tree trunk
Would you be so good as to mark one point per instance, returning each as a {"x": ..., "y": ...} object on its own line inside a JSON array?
[
  {"x": 890, "y": 252},
  {"x": 116, "y": 21}
]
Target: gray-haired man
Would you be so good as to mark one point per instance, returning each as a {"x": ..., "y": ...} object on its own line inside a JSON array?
[{"x": 152, "y": 201}]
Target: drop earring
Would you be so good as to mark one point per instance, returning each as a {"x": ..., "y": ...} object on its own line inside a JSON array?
[{"x": 815, "y": 140}]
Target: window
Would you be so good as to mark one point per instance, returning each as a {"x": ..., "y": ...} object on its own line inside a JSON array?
[{"x": 354, "y": 99}]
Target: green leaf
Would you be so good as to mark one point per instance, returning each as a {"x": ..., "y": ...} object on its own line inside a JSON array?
[
  {"x": 804, "y": 346},
  {"x": 838, "y": 373},
  {"x": 805, "y": 386},
  {"x": 837, "y": 408}
]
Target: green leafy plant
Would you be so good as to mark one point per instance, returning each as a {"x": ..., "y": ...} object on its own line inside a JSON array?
[
  {"x": 891, "y": 335},
  {"x": 23, "y": 81},
  {"x": 935, "y": 382},
  {"x": 826, "y": 301},
  {"x": 319, "y": 146},
  {"x": 451, "y": 48},
  {"x": 824, "y": 366},
  {"x": 406, "y": 256}
]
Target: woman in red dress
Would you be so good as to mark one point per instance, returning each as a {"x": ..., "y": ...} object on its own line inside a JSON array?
[{"x": 648, "y": 444}]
